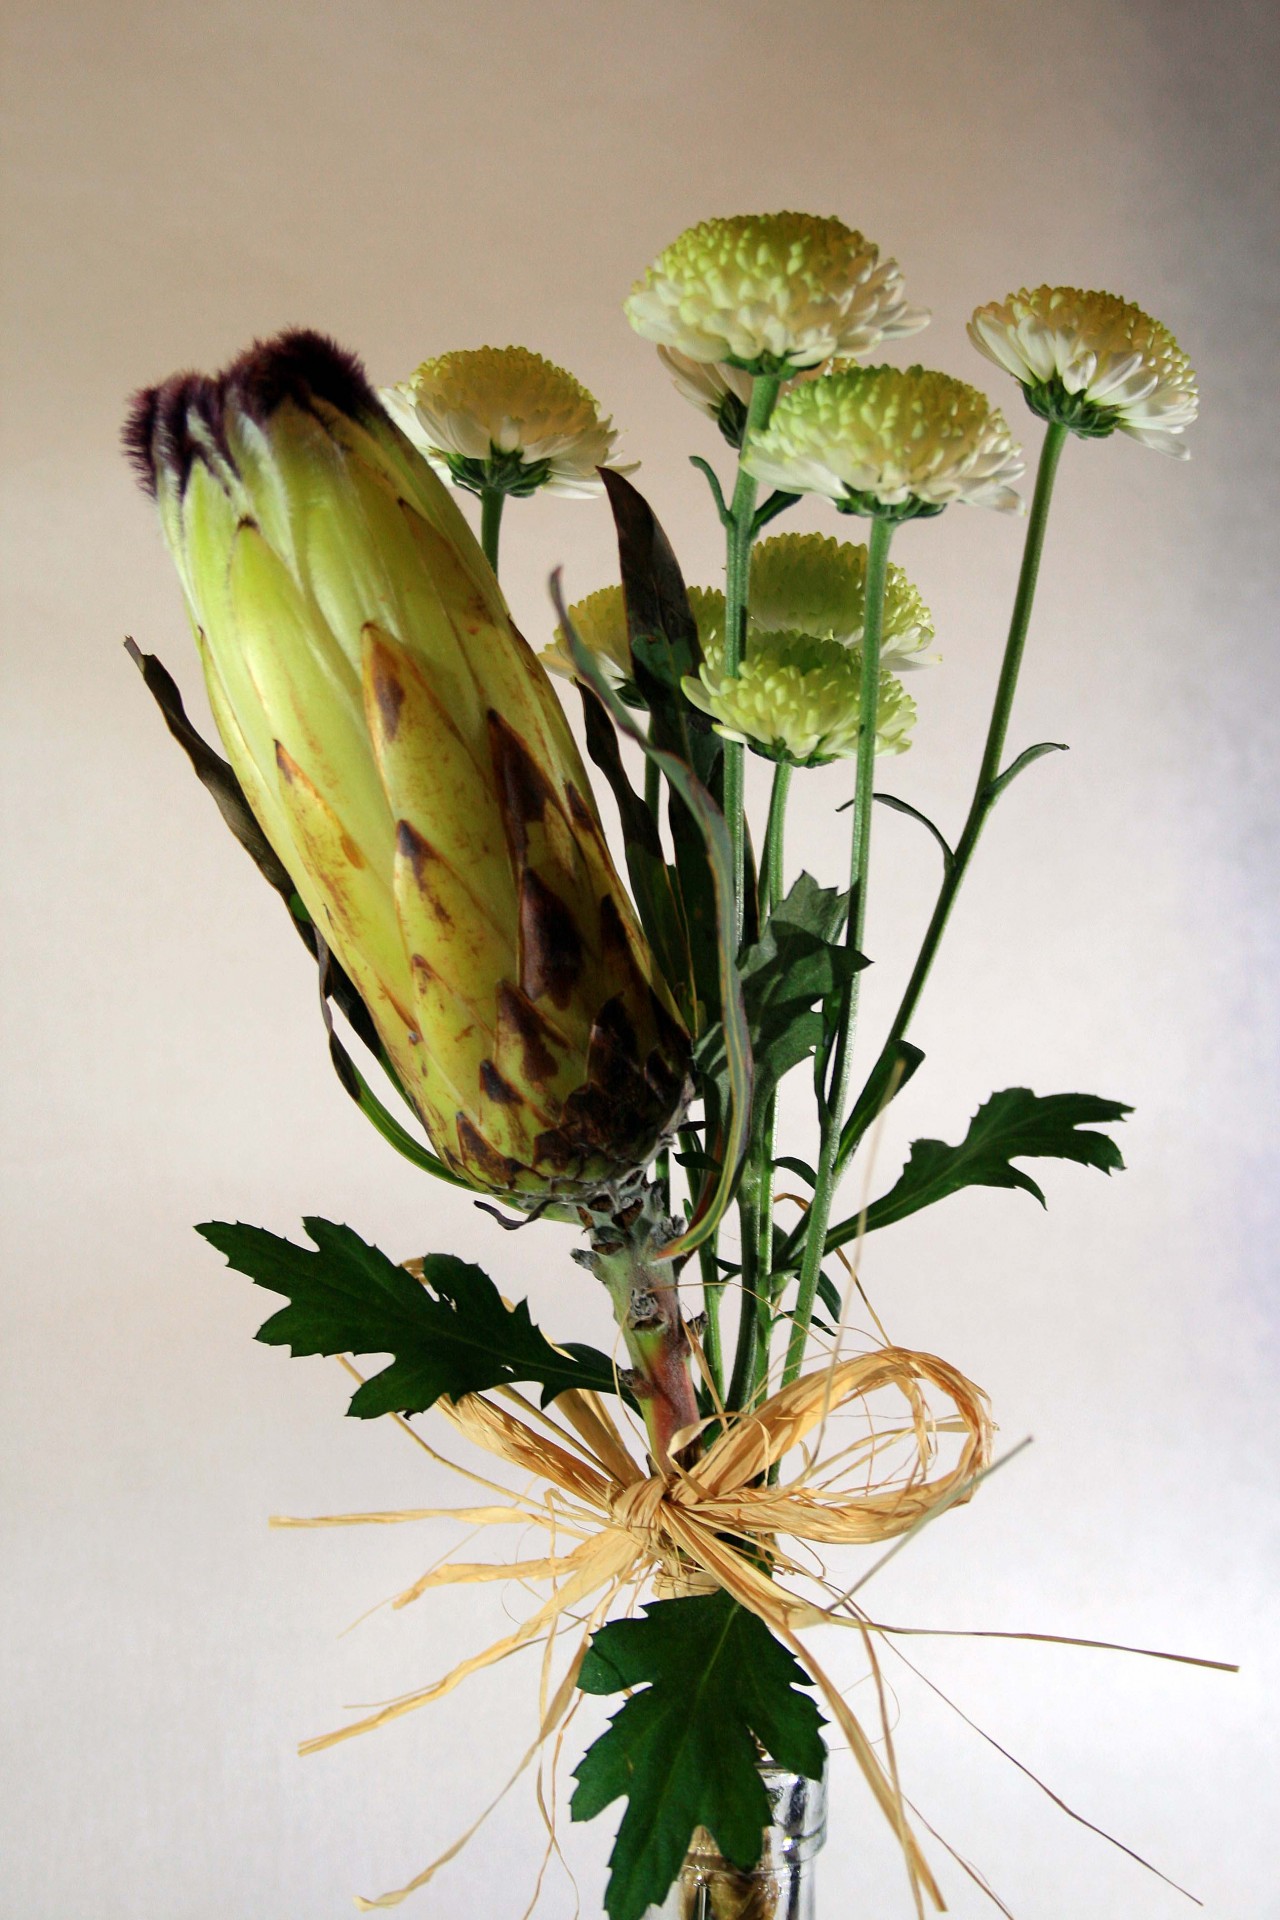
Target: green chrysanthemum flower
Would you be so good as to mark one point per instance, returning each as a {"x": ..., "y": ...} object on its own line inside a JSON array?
[
  {"x": 798, "y": 698},
  {"x": 506, "y": 419},
  {"x": 889, "y": 441},
  {"x": 600, "y": 621},
  {"x": 1093, "y": 362},
  {"x": 771, "y": 293},
  {"x": 808, "y": 583}
]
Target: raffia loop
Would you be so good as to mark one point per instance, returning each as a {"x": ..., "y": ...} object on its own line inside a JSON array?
[{"x": 613, "y": 1526}]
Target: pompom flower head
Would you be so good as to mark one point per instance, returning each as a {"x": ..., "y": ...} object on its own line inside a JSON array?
[
  {"x": 798, "y": 698},
  {"x": 714, "y": 387},
  {"x": 771, "y": 293},
  {"x": 1093, "y": 363},
  {"x": 600, "y": 622},
  {"x": 808, "y": 583},
  {"x": 889, "y": 441},
  {"x": 505, "y": 419}
]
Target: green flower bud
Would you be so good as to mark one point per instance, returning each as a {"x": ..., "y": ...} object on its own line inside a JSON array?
[{"x": 407, "y": 758}]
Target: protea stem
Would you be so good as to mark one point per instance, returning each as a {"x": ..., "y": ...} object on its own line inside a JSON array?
[{"x": 646, "y": 1305}]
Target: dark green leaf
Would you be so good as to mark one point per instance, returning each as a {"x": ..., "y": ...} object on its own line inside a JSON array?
[
  {"x": 914, "y": 813},
  {"x": 655, "y": 886},
  {"x": 448, "y": 1334},
  {"x": 702, "y": 808},
  {"x": 664, "y": 650},
  {"x": 884, "y": 1083},
  {"x": 1012, "y": 1125},
  {"x": 684, "y": 1751},
  {"x": 829, "y": 1294},
  {"x": 1023, "y": 761},
  {"x": 799, "y": 1167}
]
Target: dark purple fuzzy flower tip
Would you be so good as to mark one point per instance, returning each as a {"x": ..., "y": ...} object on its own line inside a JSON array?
[{"x": 298, "y": 365}]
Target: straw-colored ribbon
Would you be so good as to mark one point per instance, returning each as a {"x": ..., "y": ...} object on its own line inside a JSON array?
[{"x": 614, "y": 1525}]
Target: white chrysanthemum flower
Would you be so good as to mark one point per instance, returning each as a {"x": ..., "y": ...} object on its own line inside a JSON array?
[
  {"x": 721, "y": 390},
  {"x": 1093, "y": 362},
  {"x": 798, "y": 698},
  {"x": 771, "y": 293},
  {"x": 809, "y": 583},
  {"x": 506, "y": 419},
  {"x": 600, "y": 621},
  {"x": 889, "y": 441}
]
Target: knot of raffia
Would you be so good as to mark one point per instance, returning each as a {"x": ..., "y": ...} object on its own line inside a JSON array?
[{"x": 721, "y": 1523}]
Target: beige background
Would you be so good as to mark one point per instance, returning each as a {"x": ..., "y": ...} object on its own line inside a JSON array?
[{"x": 416, "y": 177}]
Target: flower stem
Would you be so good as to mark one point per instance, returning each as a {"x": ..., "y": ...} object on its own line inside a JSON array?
[
  {"x": 838, "y": 1092},
  {"x": 771, "y": 868},
  {"x": 771, "y": 885},
  {"x": 983, "y": 796},
  {"x": 492, "y": 501},
  {"x": 646, "y": 1306},
  {"x": 741, "y": 532}
]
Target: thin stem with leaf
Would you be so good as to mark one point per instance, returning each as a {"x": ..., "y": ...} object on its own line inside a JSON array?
[
  {"x": 832, "y": 1119},
  {"x": 990, "y": 782}
]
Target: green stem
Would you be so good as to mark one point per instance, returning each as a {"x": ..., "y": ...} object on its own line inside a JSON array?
[
  {"x": 741, "y": 532},
  {"x": 772, "y": 880},
  {"x": 713, "y": 1282},
  {"x": 838, "y": 1093},
  {"x": 646, "y": 1305},
  {"x": 752, "y": 1301},
  {"x": 492, "y": 501},
  {"x": 653, "y": 787},
  {"x": 771, "y": 867},
  {"x": 712, "y": 1291},
  {"x": 983, "y": 797}
]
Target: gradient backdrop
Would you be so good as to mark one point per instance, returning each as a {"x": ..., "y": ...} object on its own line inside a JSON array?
[{"x": 416, "y": 177}]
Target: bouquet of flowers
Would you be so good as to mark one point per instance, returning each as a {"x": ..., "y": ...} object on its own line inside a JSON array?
[{"x": 571, "y": 1048}]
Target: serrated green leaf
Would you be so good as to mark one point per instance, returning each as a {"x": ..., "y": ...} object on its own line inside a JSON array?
[
  {"x": 684, "y": 1751},
  {"x": 450, "y": 1334},
  {"x": 798, "y": 964},
  {"x": 1013, "y": 1125}
]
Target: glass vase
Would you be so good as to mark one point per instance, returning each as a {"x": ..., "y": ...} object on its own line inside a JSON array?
[{"x": 781, "y": 1884}]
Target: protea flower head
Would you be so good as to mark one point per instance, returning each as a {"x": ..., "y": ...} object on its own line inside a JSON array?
[{"x": 408, "y": 760}]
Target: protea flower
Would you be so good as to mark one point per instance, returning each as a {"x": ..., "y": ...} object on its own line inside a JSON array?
[{"x": 408, "y": 760}]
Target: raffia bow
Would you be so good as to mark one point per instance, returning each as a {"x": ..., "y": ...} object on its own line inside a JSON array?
[{"x": 717, "y": 1524}]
